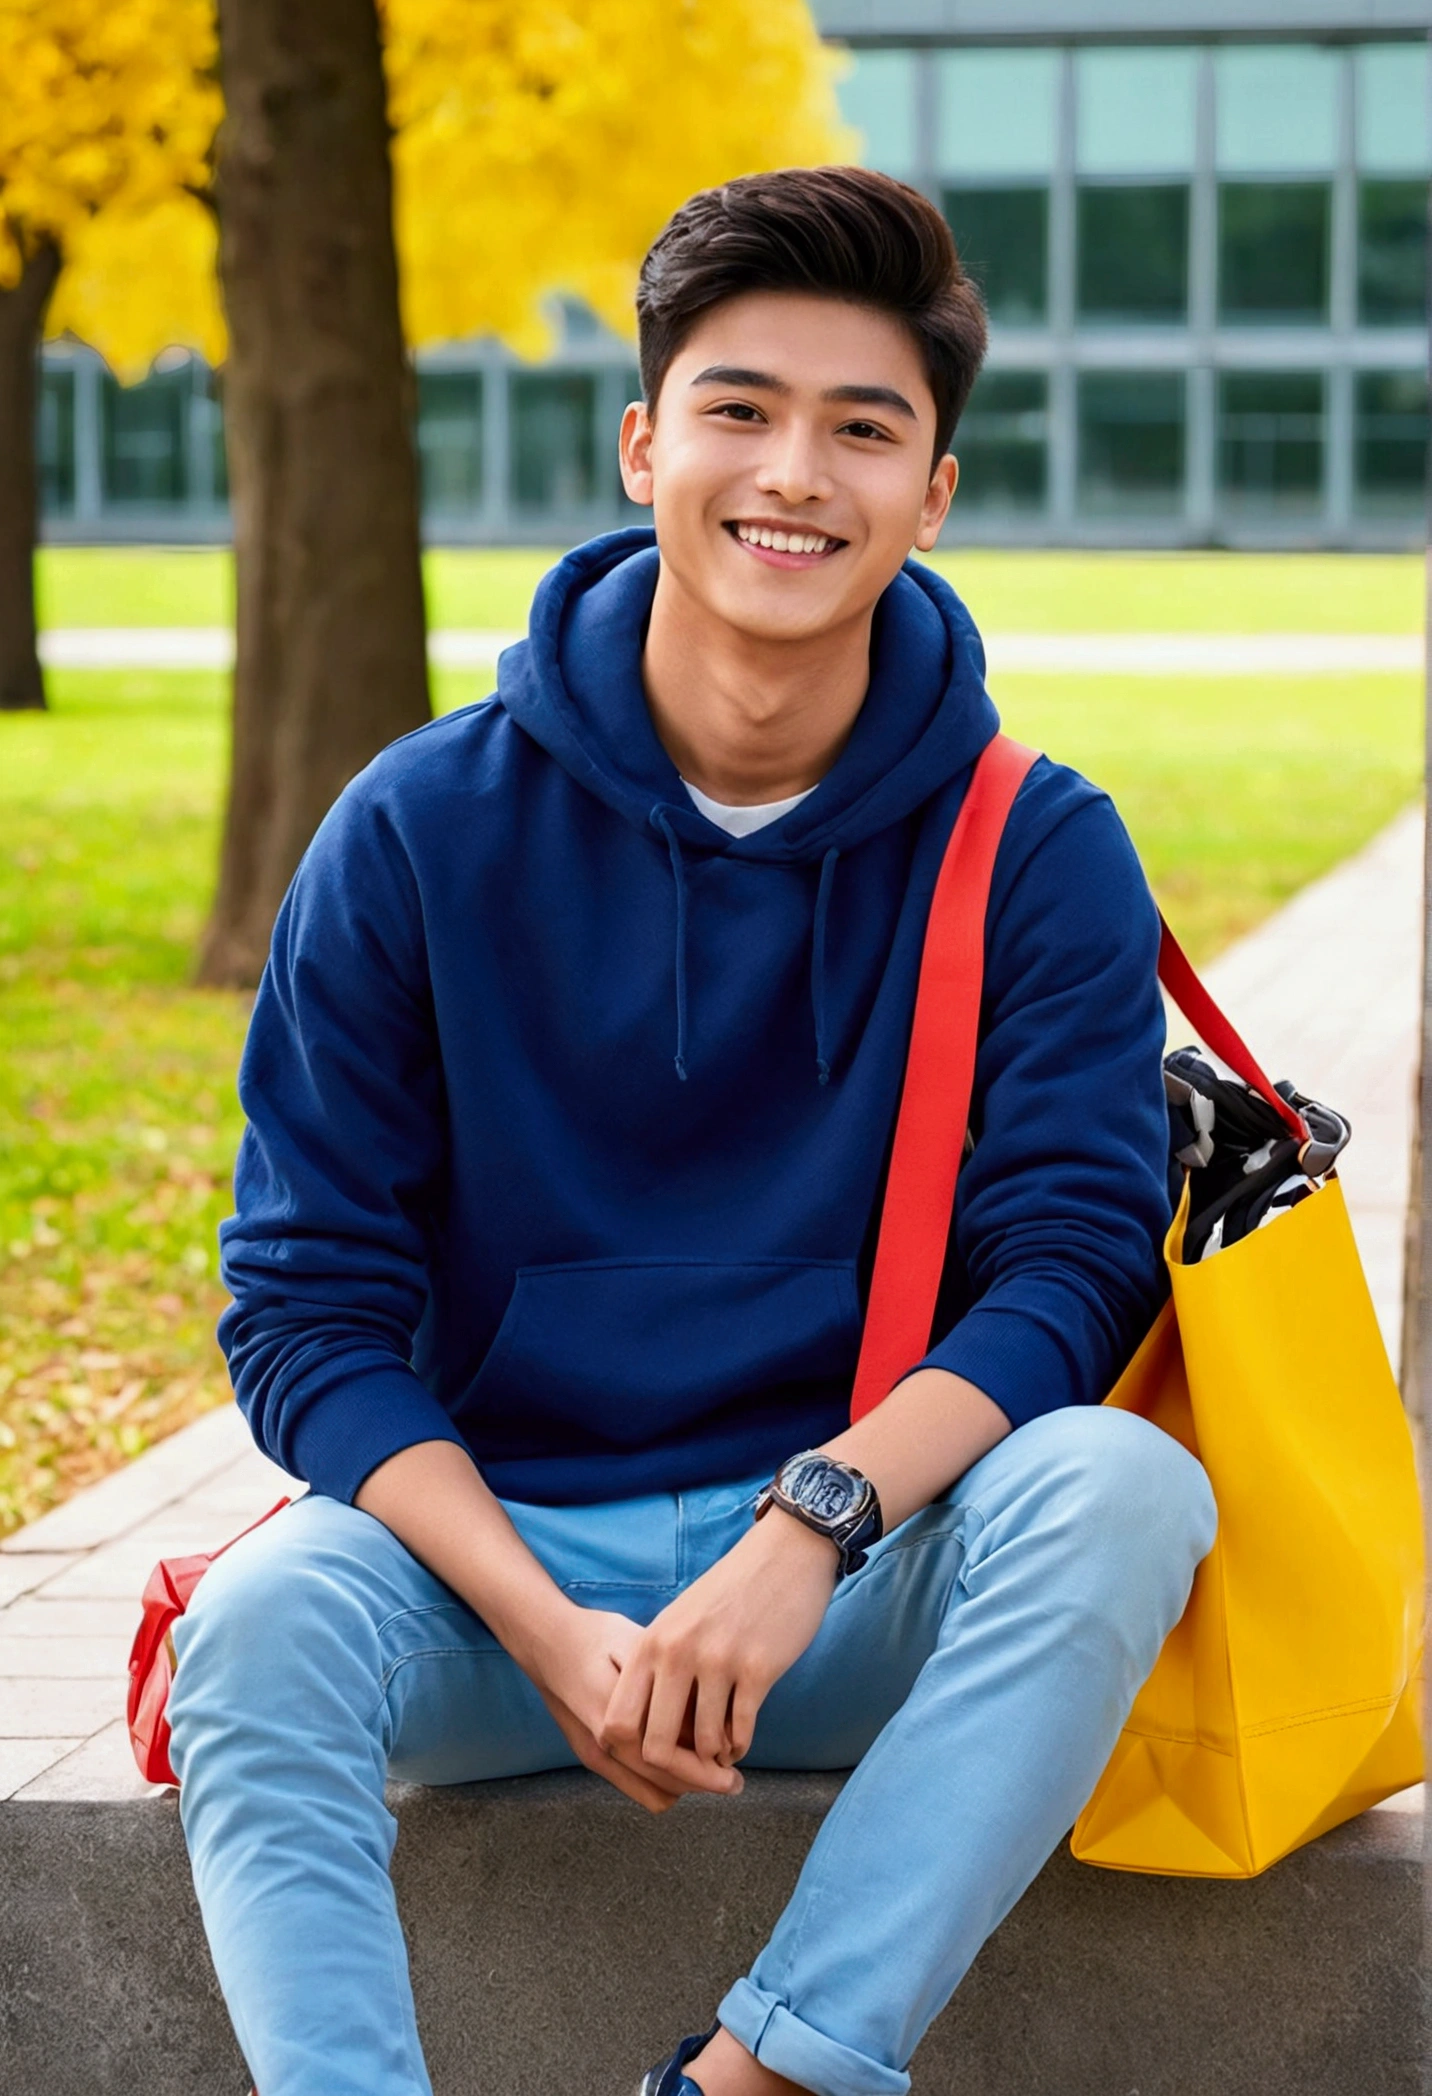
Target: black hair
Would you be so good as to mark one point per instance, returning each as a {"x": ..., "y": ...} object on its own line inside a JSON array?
[{"x": 841, "y": 232}]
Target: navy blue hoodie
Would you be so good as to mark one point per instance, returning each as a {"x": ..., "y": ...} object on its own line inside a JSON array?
[{"x": 569, "y": 1113}]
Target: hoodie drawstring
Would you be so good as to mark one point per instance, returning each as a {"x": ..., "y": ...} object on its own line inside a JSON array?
[
  {"x": 661, "y": 821},
  {"x": 817, "y": 963}
]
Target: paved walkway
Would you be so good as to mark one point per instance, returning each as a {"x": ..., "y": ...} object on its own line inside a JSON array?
[
  {"x": 1076, "y": 654},
  {"x": 1326, "y": 992}
]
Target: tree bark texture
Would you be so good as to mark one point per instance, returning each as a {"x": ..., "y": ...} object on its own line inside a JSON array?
[
  {"x": 330, "y": 662},
  {"x": 22, "y": 319}
]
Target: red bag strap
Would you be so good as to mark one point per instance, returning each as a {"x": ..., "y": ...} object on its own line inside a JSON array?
[
  {"x": 1177, "y": 976},
  {"x": 939, "y": 1078}
]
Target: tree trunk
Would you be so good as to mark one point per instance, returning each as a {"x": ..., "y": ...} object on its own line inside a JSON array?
[
  {"x": 330, "y": 660},
  {"x": 22, "y": 319}
]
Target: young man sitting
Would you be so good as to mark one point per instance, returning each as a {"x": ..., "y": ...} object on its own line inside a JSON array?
[{"x": 570, "y": 1086}]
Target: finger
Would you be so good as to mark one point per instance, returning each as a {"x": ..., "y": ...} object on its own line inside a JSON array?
[
  {"x": 746, "y": 1700},
  {"x": 624, "y": 1721},
  {"x": 688, "y": 1771},
  {"x": 654, "y": 1789},
  {"x": 671, "y": 1691},
  {"x": 710, "y": 1735},
  {"x": 678, "y": 1781},
  {"x": 655, "y": 1796},
  {"x": 665, "y": 1779}
]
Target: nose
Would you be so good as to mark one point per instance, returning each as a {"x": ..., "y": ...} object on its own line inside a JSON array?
[{"x": 792, "y": 466}]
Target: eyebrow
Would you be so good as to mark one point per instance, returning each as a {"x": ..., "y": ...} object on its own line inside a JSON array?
[{"x": 763, "y": 381}]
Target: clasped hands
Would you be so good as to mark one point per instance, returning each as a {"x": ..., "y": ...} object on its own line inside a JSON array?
[{"x": 672, "y": 1707}]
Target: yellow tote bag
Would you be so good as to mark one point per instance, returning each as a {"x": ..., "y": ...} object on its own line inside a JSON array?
[{"x": 1287, "y": 1699}]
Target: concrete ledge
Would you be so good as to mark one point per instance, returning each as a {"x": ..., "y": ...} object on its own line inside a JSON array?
[{"x": 550, "y": 1923}]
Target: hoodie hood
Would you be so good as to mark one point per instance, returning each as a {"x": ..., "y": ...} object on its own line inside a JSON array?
[{"x": 574, "y": 685}]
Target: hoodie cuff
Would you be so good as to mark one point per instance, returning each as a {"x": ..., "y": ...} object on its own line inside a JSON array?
[
  {"x": 1012, "y": 1359},
  {"x": 341, "y": 1437}
]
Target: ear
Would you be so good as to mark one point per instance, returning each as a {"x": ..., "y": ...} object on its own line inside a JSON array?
[
  {"x": 938, "y": 497},
  {"x": 634, "y": 451}
]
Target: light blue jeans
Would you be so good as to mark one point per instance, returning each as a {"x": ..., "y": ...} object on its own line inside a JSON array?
[{"x": 975, "y": 1674}]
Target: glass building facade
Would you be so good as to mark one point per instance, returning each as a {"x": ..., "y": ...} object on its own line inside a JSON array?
[
  {"x": 1206, "y": 269},
  {"x": 1205, "y": 260}
]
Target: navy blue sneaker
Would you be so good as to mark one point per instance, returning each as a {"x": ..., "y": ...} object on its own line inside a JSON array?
[{"x": 668, "y": 2079}]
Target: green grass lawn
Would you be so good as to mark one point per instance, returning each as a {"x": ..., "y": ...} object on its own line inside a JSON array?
[
  {"x": 118, "y": 1117},
  {"x": 1035, "y": 592}
]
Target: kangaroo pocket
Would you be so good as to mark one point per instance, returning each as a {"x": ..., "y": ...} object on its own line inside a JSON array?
[{"x": 626, "y": 1352}]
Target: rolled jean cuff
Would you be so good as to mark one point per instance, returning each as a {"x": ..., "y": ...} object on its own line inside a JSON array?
[{"x": 780, "y": 2041}]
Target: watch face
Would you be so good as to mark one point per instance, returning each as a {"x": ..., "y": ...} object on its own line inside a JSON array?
[{"x": 822, "y": 1487}]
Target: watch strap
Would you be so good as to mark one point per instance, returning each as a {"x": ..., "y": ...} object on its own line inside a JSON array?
[{"x": 852, "y": 1537}]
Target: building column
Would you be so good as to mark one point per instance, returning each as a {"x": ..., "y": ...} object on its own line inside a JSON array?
[
  {"x": 1339, "y": 382},
  {"x": 203, "y": 497},
  {"x": 496, "y": 445},
  {"x": 1202, "y": 461},
  {"x": 927, "y": 123},
  {"x": 1063, "y": 386},
  {"x": 1202, "y": 452},
  {"x": 1338, "y": 420},
  {"x": 89, "y": 484}
]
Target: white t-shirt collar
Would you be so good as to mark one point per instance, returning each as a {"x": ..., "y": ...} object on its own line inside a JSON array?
[{"x": 743, "y": 822}]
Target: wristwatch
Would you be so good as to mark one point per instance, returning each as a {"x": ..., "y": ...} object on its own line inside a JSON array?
[{"x": 834, "y": 1499}]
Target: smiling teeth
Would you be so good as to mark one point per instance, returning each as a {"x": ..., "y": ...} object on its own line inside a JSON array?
[{"x": 784, "y": 541}]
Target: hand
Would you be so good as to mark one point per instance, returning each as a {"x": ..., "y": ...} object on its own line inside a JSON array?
[
  {"x": 690, "y": 1687},
  {"x": 575, "y": 1676}
]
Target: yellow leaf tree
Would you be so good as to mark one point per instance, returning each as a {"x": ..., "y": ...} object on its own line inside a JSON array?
[
  {"x": 537, "y": 146},
  {"x": 107, "y": 116},
  {"x": 541, "y": 146}
]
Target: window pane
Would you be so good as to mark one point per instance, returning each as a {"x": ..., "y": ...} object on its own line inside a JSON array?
[
  {"x": 1003, "y": 443},
  {"x": 1392, "y": 254},
  {"x": 1136, "y": 112},
  {"x": 1270, "y": 441},
  {"x": 1392, "y": 432},
  {"x": 142, "y": 456},
  {"x": 554, "y": 417},
  {"x": 1392, "y": 109},
  {"x": 1003, "y": 239},
  {"x": 1131, "y": 443},
  {"x": 1273, "y": 251},
  {"x": 450, "y": 439},
  {"x": 55, "y": 441},
  {"x": 878, "y": 97},
  {"x": 1133, "y": 252},
  {"x": 998, "y": 112},
  {"x": 1277, "y": 109}
]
